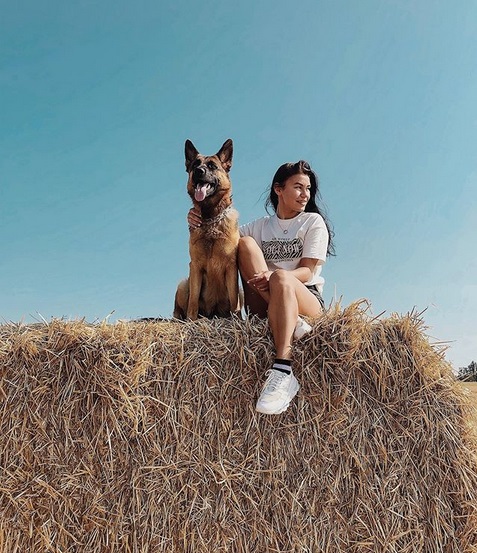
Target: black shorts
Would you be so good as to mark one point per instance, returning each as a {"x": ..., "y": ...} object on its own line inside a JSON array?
[{"x": 314, "y": 290}]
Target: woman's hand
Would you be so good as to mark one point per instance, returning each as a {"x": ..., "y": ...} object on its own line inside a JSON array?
[
  {"x": 194, "y": 218},
  {"x": 259, "y": 281}
]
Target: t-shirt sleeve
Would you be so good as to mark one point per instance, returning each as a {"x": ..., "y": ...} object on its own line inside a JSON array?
[
  {"x": 315, "y": 243},
  {"x": 252, "y": 229},
  {"x": 246, "y": 230}
]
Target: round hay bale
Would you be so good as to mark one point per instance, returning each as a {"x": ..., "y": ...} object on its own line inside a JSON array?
[{"x": 142, "y": 437}]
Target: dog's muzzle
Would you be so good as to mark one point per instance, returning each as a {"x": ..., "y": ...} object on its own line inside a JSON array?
[
  {"x": 203, "y": 185},
  {"x": 199, "y": 173},
  {"x": 202, "y": 190}
]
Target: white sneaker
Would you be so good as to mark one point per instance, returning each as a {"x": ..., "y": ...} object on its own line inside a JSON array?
[
  {"x": 277, "y": 392},
  {"x": 301, "y": 328}
]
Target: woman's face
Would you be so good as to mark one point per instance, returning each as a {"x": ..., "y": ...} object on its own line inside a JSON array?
[{"x": 293, "y": 196}]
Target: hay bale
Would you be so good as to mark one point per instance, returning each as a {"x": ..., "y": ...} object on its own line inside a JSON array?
[{"x": 142, "y": 437}]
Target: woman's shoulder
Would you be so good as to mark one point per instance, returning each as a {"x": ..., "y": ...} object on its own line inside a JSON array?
[
  {"x": 311, "y": 217},
  {"x": 255, "y": 225},
  {"x": 262, "y": 219},
  {"x": 258, "y": 222}
]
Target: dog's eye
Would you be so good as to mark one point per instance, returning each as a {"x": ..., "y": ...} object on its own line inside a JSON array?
[{"x": 211, "y": 165}]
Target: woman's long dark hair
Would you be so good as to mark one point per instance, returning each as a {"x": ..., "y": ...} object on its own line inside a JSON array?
[{"x": 288, "y": 170}]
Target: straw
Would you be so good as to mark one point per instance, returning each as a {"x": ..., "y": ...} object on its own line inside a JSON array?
[{"x": 141, "y": 437}]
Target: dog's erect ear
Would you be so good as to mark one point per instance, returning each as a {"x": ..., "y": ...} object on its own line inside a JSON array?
[
  {"x": 191, "y": 154},
  {"x": 225, "y": 154}
]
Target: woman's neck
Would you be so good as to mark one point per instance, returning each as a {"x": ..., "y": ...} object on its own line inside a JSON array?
[{"x": 282, "y": 214}]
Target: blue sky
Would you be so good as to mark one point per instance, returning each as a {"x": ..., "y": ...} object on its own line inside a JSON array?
[{"x": 99, "y": 97}]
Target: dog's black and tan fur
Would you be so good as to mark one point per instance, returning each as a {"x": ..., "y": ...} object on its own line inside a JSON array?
[{"x": 212, "y": 287}]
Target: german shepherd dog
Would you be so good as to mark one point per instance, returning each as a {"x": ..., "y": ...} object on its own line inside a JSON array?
[{"x": 212, "y": 287}]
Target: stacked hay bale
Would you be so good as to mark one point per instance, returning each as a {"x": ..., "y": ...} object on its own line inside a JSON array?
[{"x": 142, "y": 437}]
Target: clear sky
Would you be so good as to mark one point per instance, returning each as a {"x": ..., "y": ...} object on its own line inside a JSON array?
[{"x": 97, "y": 99}]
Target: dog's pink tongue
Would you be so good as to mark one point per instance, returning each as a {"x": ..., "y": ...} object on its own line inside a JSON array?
[{"x": 200, "y": 192}]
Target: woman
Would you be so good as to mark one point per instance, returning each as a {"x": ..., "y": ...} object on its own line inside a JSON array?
[{"x": 280, "y": 259}]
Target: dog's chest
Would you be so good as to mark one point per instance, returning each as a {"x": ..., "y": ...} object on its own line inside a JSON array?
[
  {"x": 209, "y": 239},
  {"x": 213, "y": 233},
  {"x": 213, "y": 240}
]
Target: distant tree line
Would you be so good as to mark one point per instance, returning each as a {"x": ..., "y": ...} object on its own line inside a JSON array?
[{"x": 469, "y": 373}]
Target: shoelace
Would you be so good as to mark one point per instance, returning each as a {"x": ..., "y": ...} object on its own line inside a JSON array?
[{"x": 275, "y": 378}]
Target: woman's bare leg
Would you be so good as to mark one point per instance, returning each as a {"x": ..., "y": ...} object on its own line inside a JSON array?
[
  {"x": 288, "y": 298},
  {"x": 285, "y": 298},
  {"x": 251, "y": 262}
]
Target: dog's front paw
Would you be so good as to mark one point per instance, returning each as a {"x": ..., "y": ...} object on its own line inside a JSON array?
[{"x": 192, "y": 314}]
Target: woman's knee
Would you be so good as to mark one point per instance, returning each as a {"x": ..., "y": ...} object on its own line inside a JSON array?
[
  {"x": 246, "y": 244},
  {"x": 280, "y": 279},
  {"x": 248, "y": 251}
]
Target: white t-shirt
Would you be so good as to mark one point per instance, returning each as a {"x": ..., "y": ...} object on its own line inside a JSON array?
[{"x": 285, "y": 241}]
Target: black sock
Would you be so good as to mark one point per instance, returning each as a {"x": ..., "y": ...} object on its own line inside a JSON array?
[{"x": 282, "y": 365}]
